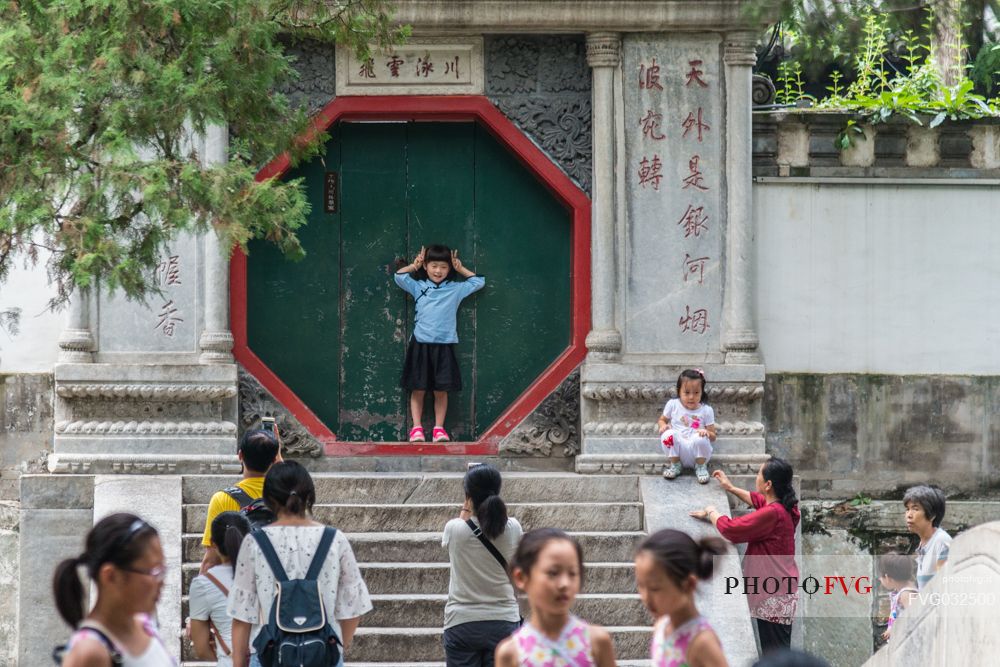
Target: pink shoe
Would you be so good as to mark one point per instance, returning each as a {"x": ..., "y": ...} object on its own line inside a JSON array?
[
  {"x": 417, "y": 434},
  {"x": 441, "y": 435}
]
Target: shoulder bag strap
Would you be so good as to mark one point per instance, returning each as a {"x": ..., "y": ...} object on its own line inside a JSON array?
[
  {"x": 478, "y": 532},
  {"x": 116, "y": 656},
  {"x": 239, "y": 495},
  {"x": 211, "y": 625},
  {"x": 267, "y": 549},
  {"x": 320, "y": 556}
]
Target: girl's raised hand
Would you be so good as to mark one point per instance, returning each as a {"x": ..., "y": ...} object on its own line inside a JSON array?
[
  {"x": 455, "y": 261},
  {"x": 418, "y": 261}
]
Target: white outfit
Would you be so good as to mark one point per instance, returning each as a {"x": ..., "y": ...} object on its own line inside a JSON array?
[
  {"x": 155, "y": 655},
  {"x": 929, "y": 554},
  {"x": 252, "y": 594},
  {"x": 478, "y": 588},
  {"x": 684, "y": 425},
  {"x": 207, "y": 603}
]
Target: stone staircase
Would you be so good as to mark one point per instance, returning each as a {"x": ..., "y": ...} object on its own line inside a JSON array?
[{"x": 394, "y": 523}]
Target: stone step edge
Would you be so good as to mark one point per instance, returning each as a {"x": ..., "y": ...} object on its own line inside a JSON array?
[
  {"x": 629, "y": 503},
  {"x": 440, "y": 565},
  {"x": 422, "y": 475},
  {"x": 613, "y": 629},
  {"x": 430, "y": 535}
]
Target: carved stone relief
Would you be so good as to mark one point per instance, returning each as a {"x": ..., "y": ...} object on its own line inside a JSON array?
[
  {"x": 257, "y": 402},
  {"x": 542, "y": 84},
  {"x": 315, "y": 65},
  {"x": 553, "y": 427}
]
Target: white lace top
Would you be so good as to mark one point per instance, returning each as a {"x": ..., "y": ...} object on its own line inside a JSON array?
[{"x": 345, "y": 594}]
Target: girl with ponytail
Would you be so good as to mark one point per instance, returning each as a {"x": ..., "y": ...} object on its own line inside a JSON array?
[
  {"x": 481, "y": 610},
  {"x": 295, "y": 537},
  {"x": 769, "y": 532},
  {"x": 210, "y": 624},
  {"x": 668, "y": 566},
  {"x": 124, "y": 559}
]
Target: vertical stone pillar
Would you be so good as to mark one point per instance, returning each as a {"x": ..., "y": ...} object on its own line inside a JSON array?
[
  {"x": 604, "y": 341},
  {"x": 739, "y": 339},
  {"x": 216, "y": 341},
  {"x": 76, "y": 343}
]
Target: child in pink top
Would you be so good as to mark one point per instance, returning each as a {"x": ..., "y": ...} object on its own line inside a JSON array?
[
  {"x": 668, "y": 565},
  {"x": 548, "y": 567}
]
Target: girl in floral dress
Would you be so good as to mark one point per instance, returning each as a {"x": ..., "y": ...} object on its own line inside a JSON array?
[
  {"x": 668, "y": 565},
  {"x": 548, "y": 568}
]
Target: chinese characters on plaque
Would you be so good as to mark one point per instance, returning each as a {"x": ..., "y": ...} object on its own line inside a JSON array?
[
  {"x": 168, "y": 273},
  {"x": 427, "y": 66},
  {"x": 673, "y": 96}
]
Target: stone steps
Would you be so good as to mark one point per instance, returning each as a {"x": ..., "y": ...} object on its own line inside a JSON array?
[
  {"x": 386, "y": 518},
  {"x": 394, "y": 522},
  {"x": 606, "y": 546}
]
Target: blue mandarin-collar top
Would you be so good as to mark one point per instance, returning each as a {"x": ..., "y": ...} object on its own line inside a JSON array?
[{"x": 437, "y": 305}]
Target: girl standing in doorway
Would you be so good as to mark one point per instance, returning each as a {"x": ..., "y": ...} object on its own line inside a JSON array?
[{"x": 431, "y": 364}]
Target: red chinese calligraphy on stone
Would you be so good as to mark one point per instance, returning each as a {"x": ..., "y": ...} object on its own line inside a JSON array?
[
  {"x": 394, "y": 63},
  {"x": 695, "y": 179},
  {"x": 649, "y": 76},
  {"x": 694, "y": 266},
  {"x": 694, "y": 221},
  {"x": 694, "y": 75},
  {"x": 168, "y": 319},
  {"x": 696, "y": 322},
  {"x": 649, "y": 172},
  {"x": 424, "y": 66},
  {"x": 695, "y": 122},
  {"x": 650, "y": 124},
  {"x": 367, "y": 69},
  {"x": 451, "y": 67}
]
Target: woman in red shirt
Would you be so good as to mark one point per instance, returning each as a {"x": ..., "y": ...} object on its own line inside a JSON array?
[{"x": 769, "y": 532}]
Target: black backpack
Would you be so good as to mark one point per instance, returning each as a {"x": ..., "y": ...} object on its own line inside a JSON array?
[
  {"x": 298, "y": 631},
  {"x": 254, "y": 509}
]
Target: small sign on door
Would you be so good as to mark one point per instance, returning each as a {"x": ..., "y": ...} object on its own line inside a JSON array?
[{"x": 331, "y": 194}]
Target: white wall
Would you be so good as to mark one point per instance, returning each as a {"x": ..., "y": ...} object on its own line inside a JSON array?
[
  {"x": 35, "y": 348},
  {"x": 878, "y": 278}
]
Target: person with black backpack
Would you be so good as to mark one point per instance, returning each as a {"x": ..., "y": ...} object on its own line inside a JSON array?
[
  {"x": 481, "y": 610},
  {"x": 297, "y": 595},
  {"x": 258, "y": 450}
]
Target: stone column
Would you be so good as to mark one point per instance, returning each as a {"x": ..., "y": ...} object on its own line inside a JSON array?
[
  {"x": 739, "y": 338},
  {"x": 76, "y": 343},
  {"x": 216, "y": 340},
  {"x": 604, "y": 341}
]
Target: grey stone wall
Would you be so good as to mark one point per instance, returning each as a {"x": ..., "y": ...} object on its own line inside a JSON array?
[
  {"x": 27, "y": 418},
  {"x": 542, "y": 83},
  {"x": 877, "y": 434}
]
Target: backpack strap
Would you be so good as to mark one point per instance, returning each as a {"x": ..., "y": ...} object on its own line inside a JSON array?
[
  {"x": 478, "y": 532},
  {"x": 211, "y": 625},
  {"x": 320, "y": 557},
  {"x": 267, "y": 549},
  {"x": 239, "y": 495},
  {"x": 117, "y": 659}
]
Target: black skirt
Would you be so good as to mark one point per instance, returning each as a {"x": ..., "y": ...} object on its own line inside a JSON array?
[{"x": 431, "y": 367}]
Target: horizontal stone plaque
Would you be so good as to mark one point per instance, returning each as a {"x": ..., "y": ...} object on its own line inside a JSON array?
[{"x": 425, "y": 66}]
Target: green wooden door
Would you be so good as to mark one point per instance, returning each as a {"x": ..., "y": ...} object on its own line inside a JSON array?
[{"x": 334, "y": 327}]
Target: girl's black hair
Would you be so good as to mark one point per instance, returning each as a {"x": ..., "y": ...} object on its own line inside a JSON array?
[
  {"x": 897, "y": 566},
  {"x": 691, "y": 374},
  {"x": 435, "y": 253},
  {"x": 289, "y": 487},
  {"x": 228, "y": 531},
  {"x": 779, "y": 473},
  {"x": 679, "y": 555},
  {"x": 532, "y": 544},
  {"x": 482, "y": 485},
  {"x": 119, "y": 539}
]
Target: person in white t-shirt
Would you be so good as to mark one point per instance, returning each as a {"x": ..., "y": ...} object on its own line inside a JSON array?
[
  {"x": 924, "y": 512},
  {"x": 211, "y": 626},
  {"x": 481, "y": 610},
  {"x": 687, "y": 427}
]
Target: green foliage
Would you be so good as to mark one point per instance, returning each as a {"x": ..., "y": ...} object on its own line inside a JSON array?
[
  {"x": 860, "y": 500},
  {"x": 98, "y": 102},
  {"x": 879, "y": 93},
  {"x": 985, "y": 71}
]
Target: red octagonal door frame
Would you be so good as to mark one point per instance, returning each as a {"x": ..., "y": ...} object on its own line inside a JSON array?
[{"x": 435, "y": 108}]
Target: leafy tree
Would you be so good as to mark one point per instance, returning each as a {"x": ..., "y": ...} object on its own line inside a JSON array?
[{"x": 98, "y": 102}]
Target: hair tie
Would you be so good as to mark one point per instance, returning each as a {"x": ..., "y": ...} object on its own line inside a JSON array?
[
  {"x": 292, "y": 493},
  {"x": 699, "y": 372}
]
